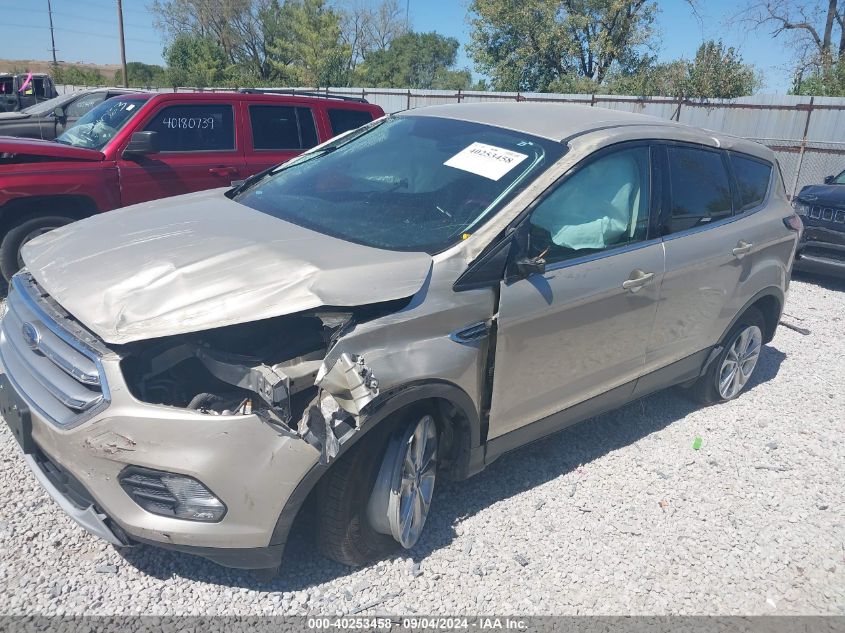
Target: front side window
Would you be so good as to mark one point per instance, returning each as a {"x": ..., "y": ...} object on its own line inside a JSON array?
[
  {"x": 408, "y": 183},
  {"x": 752, "y": 179},
  {"x": 282, "y": 127},
  {"x": 79, "y": 107},
  {"x": 840, "y": 179},
  {"x": 101, "y": 124},
  {"x": 194, "y": 128},
  {"x": 345, "y": 120},
  {"x": 602, "y": 205},
  {"x": 699, "y": 187}
]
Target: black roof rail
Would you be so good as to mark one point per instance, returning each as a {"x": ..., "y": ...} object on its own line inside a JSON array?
[{"x": 301, "y": 93}]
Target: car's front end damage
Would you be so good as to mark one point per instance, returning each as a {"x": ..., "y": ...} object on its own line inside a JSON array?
[{"x": 209, "y": 440}]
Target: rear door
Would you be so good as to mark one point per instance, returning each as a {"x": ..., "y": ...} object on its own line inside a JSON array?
[
  {"x": 198, "y": 149},
  {"x": 276, "y": 132},
  {"x": 707, "y": 253},
  {"x": 581, "y": 329}
]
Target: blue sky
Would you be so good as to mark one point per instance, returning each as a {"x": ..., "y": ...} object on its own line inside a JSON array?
[{"x": 86, "y": 31}]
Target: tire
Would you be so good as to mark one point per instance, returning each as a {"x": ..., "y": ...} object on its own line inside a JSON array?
[
  {"x": 19, "y": 234},
  {"x": 344, "y": 531},
  {"x": 709, "y": 389}
]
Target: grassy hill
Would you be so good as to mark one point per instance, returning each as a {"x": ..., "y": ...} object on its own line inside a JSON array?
[{"x": 40, "y": 66}]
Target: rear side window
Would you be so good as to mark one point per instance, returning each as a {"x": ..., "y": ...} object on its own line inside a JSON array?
[
  {"x": 345, "y": 120},
  {"x": 752, "y": 179},
  {"x": 699, "y": 187},
  {"x": 194, "y": 128},
  {"x": 282, "y": 127}
]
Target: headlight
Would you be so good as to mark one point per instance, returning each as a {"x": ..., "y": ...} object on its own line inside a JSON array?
[
  {"x": 801, "y": 208},
  {"x": 171, "y": 494}
]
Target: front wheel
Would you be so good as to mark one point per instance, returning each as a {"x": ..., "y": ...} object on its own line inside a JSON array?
[
  {"x": 377, "y": 497},
  {"x": 19, "y": 234},
  {"x": 730, "y": 372}
]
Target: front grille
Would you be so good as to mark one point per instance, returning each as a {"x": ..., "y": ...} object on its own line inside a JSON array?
[
  {"x": 828, "y": 214},
  {"x": 49, "y": 357}
]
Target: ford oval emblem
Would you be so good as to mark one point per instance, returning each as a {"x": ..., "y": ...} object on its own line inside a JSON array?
[{"x": 31, "y": 335}]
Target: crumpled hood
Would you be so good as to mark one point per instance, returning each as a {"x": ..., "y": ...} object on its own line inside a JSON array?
[
  {"x": 833, "y": 195},
  {"x": 37, "y": 147},
  {"x": 201, "y": 261}
]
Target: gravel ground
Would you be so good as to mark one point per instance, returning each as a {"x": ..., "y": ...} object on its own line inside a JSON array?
[{"x": 615, "y": 516}]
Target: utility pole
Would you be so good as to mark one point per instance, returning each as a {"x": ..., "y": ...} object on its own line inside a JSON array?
[
  {"x": 122, "y": 43},
  {"x": 52, "y": 37},
  {"x": 407, "y": 15}
]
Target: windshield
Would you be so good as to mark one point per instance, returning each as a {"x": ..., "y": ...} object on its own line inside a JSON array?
[
  {"x": 409, "y": 183},
  {"x": 102, "y": 123},
  {"x": 47, "y": 106}
]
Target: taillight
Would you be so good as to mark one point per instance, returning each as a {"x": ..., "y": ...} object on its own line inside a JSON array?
[{"x": 793, "y": 222}]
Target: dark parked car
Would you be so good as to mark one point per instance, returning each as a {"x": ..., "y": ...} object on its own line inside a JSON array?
[
  {"x": 16, "y": 93},
  {"x": 48, "y": 119},
  {"x": 822, "y": 208}
]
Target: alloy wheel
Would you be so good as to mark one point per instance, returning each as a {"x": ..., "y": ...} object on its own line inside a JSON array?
[
  {"x": 410, "y": 497},
  {"x": 740, "y": 361}
]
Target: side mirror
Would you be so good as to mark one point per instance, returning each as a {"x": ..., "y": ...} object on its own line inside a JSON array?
[
  {"x": 531, "y": 266},
  {"x": 828, "y": 180},
  {"x": 59, "y": 113},
  {"x": 142, "y": 143}
]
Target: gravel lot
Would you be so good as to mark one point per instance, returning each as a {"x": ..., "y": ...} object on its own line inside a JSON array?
[{"x": 617, "y": 515}]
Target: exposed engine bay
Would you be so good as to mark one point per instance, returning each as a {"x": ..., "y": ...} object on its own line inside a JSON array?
[{"x": 281, "y": 369}]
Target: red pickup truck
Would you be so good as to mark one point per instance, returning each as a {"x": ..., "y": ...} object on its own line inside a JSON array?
[{"x": 138, "y": 147}]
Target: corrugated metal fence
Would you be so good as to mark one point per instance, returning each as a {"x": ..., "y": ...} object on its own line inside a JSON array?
[{"x": 807, "y": 133}]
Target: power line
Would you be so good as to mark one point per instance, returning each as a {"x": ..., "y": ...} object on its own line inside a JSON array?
[
  {"x": 87, "y": 19},
  {"x": 76, "y": 32},
  {"x": 100, "y": 6}
]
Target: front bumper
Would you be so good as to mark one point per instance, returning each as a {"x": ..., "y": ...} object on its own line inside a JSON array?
[
  {"x": 821, "y": 249},
  {"x": 254, "y": 474}
]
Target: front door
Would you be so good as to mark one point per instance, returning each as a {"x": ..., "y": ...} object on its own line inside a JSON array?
[
  {"x": 197, "y": 150},
  {"x": 582, "y": 328}
]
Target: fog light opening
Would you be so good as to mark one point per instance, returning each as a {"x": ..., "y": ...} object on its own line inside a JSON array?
[{"x": 172, "y": 494}]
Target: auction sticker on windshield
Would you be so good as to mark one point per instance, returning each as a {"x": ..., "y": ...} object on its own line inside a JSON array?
[{"x": 486, "y": 160}]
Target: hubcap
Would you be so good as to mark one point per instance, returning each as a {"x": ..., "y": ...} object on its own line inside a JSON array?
[{"x": 740, "y": 361}]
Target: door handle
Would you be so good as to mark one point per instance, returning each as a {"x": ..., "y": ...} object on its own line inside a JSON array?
[
  {"x": 742, "y": 248},
  {"x": 223, "y": 171},
  {"x": 637, "y": 280}
]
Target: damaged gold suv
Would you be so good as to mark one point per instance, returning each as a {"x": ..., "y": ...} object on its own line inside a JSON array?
[{"x": 408, "y": 301}]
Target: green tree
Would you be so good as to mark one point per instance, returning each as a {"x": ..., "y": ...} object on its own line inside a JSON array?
[
  {"x": 242, "y": 29},
  {"x": 77, "y": 76},
  {"x": 718, "y": 72},
  {"x": 823, "y": 82},
  {"x": 531, "y": 44},
  {"x": 142, "y": 75},
  {"x": 197, "y": 61},
  {"x": 415, "y": 60},
  {"x": 307, "y": 49}
]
